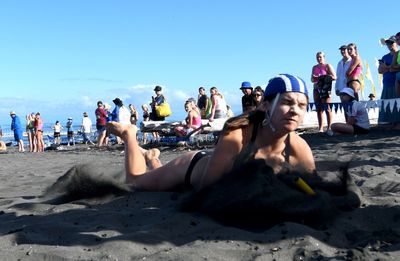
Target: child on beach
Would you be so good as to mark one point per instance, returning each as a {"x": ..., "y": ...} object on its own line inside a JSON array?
[
  {"x": 267, "y": 133},
  {"x": 357, "y": 115}
]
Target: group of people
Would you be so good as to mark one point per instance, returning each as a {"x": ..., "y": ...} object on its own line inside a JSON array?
[
  {"x": 347, "y": 76},
  {"x": 348, "y": 84}
]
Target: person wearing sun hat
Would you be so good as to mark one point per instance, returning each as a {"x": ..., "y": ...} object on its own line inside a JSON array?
[
  {"x": 248, "y": 103},
  {"x": 16, "y": 127},
  {"x": 267, "y": 133},
  {"x": 357, "y": 116},
  {"x": 387, "y": 117}
]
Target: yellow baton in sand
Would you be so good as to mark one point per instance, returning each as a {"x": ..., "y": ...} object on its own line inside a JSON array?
[{"x": 304, "y": 186}]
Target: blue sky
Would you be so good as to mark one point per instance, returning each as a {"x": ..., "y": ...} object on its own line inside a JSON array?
[{"x": 61, "y": 57}]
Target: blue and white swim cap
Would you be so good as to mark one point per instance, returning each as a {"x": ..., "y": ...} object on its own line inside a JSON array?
[{"x": 285, "y": 83}]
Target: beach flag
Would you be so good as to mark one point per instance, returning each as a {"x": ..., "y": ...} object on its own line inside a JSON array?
[
  {"x": 362, "y": 83},
  {"x": 368, "y": 75}
]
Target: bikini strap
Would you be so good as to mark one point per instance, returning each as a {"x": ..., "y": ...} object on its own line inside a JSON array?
[{"x": 287, "y": 148}]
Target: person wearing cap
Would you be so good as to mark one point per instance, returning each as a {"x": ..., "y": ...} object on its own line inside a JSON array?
[
  {"x": 101, "y": 120},
  {"x": 389, "y": 118},
  {"x": 70, "y": 132},
  {"x": 16, "y": 127},
  {"x": 156, "y": 101},
  {"x": 248, "y": 103},
  {"x": 322, "y": 76},
  {"x": 86, "y": 129},
  {"x": 268, "y": 134},
  {"x": 357, "y": 116},
  {"x": 341, "y": 69}
]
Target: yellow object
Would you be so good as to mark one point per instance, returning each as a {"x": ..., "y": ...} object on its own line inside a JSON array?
[
  {"x": 163, "y": 110},
  {"x": 304, "y": 186}
]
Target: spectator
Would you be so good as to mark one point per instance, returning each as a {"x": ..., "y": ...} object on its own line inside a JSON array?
[
  {"x": 258, "y": 94},
  {"x": 155, "y": 101},
  {"x": 192, "y": 121},
  {"x": 386, "y": 115},
  {"x": 17, "y": 129},
  {"x": 57, "y": 132},
  {"x": 248, "y": 103},
  {"x": 355, "y": 69},
  {"x": 395, "y": 66},
  {"x": 70, "y": 132},
  {"x": 342, "y": 68},
  {"x": 101, "y": 120},
  {"x": 30, "y": 131},
  {"x": 86, "y": 128},
  {"x": 218, "y": 108},
  {"x": 203, "y": 102},
  {"x": 134, "y": 114},
  {"x": 146, "y": 117},
  {"x": 322, "y": 76},
  {"x": 39, "y": 132},
  {"x": 357, "y": 116}
]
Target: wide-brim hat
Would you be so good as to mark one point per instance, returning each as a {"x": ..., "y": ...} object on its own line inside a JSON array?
[
  {"x": 157, "y": 88},
  {"x": 371, "y": 95},
  {"x": 12, "y": 112}
]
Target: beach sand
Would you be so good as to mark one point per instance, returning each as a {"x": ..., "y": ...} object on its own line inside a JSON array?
[{"x": 148, "y": 225}]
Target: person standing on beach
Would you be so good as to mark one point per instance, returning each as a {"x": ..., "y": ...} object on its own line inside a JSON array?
[
  {"x": 86, "y": 128},
  {"x": 156, "y": 101},
  {"x": 355, "y": 70},
  {"x": 386, "y": 115},
  {"x": 322, "y": 74},
  {"x": 248, "y": 103},
  {"x": 258, "y": 94},
  {"x": 101, "y": 120},
  {"x": 57, "y": 133},
  {"x": 146, "y": 117},
  {"x": 39, "y": 132},
  {"x": 70, "y": 132},
  {"x": 134, "y": 114},
  {"x": 203, "y": 102},
  {"x": 341, "y": 69},
  {"x": 395, "y": 66},
  {"x": 3, "y": 146},
  {"x": 268, "y": 133},
  {"x": 120, "y": 114},
  {"x": 17, "y": 129},
  {"x": 30, "y": 130}
]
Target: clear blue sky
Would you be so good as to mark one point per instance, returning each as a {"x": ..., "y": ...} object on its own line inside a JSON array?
[{"x": 61, "y": 57}]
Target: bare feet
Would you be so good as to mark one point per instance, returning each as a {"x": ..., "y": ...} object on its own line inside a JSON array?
[
  {"x": 124, "y": 131},
  {"x": 152, "y": 160}
]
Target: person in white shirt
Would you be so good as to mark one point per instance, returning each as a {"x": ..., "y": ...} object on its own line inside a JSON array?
[
  {"x": 86, "y": 128},
  {"x": 341, "y": 69}
]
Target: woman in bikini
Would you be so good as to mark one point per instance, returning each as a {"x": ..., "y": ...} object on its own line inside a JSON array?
[
  {"x": 355, "y": 69},
  {"x": 269, "y": 131}
]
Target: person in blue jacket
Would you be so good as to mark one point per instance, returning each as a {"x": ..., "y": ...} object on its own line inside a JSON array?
[{"x": 17, "y": 129}]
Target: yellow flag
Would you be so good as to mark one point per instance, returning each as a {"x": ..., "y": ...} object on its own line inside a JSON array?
[{"x": 368, "y": 75}]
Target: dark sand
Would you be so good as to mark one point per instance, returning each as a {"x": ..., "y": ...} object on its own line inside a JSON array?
[{"x": 147, "y": 225}]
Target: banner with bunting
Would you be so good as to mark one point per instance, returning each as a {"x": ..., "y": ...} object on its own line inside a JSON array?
[{"x": 393, "y": 105}]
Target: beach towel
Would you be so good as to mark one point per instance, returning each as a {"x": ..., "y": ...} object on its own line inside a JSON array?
[
  {"x": 252, "y": 196},
  {"x": 324, "y": 86}
]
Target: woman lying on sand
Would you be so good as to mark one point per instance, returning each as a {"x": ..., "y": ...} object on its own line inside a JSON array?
[{"x": 268, "y": 132}]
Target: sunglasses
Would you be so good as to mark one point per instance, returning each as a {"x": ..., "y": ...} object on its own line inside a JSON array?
[{"x": 258, "y": 95}]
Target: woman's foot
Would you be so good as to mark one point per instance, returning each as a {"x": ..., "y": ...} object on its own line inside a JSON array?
[{"x": 152, "y": 160}]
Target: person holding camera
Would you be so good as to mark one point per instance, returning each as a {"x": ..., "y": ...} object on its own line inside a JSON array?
[{"x": 322, "y": 76}]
